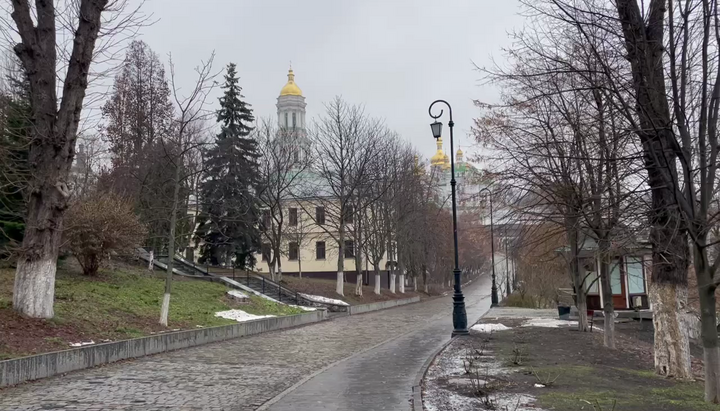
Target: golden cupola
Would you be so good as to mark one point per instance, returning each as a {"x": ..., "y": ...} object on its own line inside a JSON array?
[
  {"x": 446, "y": 162},
  {"x": 291, "y": 89},
  {"x": 439, "y": 158}
]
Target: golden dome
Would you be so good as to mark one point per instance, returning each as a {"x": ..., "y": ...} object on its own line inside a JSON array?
[
  {"x": 439, "y": 158},
  {"x": 291, "y": 89},
  {"x": 446, "y": 162},
  {"x": 459, "y": 153}
]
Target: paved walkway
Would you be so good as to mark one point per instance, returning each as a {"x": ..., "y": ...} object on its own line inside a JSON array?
[
  {"x": 245, "y": 373},
  {"x": 382, "y": 378}
]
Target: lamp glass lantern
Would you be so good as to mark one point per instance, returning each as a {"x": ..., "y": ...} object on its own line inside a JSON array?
[{"x": 436, "y": 129}]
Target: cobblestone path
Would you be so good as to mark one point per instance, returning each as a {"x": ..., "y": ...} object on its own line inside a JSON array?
[{"x": 245, "y": 373}]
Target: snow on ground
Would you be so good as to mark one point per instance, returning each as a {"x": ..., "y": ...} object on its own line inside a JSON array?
[
  {"x": 82, "y": 343},
  {"x": 240, "y": 315},
  {"x": 488, "y": 328},
  {"x": 548, "y": 323},
  {"x": 237, "y": 294},
  {"x": 302, "y": 307},
  {"x": 446, "y": 385},
  {"x": 321, "y": 299}
]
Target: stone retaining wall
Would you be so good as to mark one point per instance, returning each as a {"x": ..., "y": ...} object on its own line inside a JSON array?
[
  {"x": 19, "y": 370},
  {"x": 364, "y": 308}
]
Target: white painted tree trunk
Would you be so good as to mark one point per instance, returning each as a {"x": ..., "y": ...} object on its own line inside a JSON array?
[
  {"x": 392, "y": 282},
  {"x": 609, "y": 331},
  {"x": 401, "y": 284},
  {"x": 151, "y": 260},
  {"x": 34, "y": 291},
  {"x": 339, "y": 284},
  {"x": 279, "y": 274},
  {"x": 415, "y": 284},
  {"x": 358, "y": 285},
  {"x": 672, "y": 345},
  {"x": 164, "y": 310},
  {"x": 271, "y": 267},
  {"x": 377, "y": 284},
  {"x": 426, "y": 289}
]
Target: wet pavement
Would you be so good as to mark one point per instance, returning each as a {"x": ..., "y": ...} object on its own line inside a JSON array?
[
  {"x": 381, "y": 378},
  {"x": 364, "y": 362}
]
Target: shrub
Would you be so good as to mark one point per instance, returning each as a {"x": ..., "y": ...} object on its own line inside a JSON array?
[{"x": 99, "y": 225}]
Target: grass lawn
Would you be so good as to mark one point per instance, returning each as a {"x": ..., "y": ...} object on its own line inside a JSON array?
[
  {"x": 117, "y": 304},
  {"x": 577, "y": 371}
]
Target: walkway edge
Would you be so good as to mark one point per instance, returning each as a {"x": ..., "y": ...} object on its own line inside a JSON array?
[
  {"x": 19, "y": 370},
  {"x": 417, "y": 386}
]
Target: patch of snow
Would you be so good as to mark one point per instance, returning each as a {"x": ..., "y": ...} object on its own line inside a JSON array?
[
  {"x": 238, "y": 294},
  {"x": 539, "y": 385},
  {"x": 240, "y": 315},
  {"x": 488, "y": 328},
  {"x": 82, "y": 343},
  {"x": 325, "y": 300},
  {"x": 304, "y": 308},
  {"x": 548, "y": 323}
]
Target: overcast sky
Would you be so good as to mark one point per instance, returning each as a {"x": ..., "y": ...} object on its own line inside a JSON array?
[{"x": 393, "y": 56}]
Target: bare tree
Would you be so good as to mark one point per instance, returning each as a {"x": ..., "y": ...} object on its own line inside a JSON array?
[
  {"x": 185, "y": 138},
  {"x": 346, "y": 141},
  {"x": 283, "y": 159},
  {"x": 55, "y": 124}
]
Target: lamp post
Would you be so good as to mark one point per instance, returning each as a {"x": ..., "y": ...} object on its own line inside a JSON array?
[
  {"x": 493, "y": 291},
  {"x": 508, "y": 289},
  {"x": 459, "y": 314}
]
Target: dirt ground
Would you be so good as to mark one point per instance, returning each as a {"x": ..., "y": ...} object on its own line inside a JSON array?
[{"x": 575, "y": 370}]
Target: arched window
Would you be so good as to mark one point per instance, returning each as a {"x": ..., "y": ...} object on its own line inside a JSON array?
[{"x": 294, "y": 121}]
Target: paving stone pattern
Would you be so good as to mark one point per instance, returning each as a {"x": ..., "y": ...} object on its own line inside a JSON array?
[{"x": 238, "y": 375}]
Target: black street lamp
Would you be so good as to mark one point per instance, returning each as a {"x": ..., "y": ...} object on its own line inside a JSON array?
[
  {"x": 494, "y": 291},
  {"x": 459, "y": 314},
  {"x": 508, "y": 289}
]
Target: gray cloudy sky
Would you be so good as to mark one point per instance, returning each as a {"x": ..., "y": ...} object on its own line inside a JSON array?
[{"x": 393, "y": 56}]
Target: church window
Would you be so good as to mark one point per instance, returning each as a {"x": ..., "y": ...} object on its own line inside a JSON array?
[
  {"x": 286, "y": 121},
  {"x": 294, "y": 121}
]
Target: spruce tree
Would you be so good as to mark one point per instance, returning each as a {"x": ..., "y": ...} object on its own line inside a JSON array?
[
  {"x": 14, "y": 153},
  {"x": 229, "y": 209}
]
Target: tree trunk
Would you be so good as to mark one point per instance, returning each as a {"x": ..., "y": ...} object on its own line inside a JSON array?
[
  {"x": 415, "y": 283},
  {"x": 401, "y": 283},
  {"x": 358, "y": 284},
  {"x": 709, "y": 334},
  {"x": 340, "y": 283},
  {"x": 299, "y": 266},
  {"x": 171, "y": 246},
  {"x": 377, "y": 281},
  {"x": 608, "y": 309},
  {"x": 151, "y": 260},
  {"x": 358, "y": 271},
  {"x": 425, "y": 280},
  {"x": 392, "y": 281},
  {"x": 271, "y": 268},
  {"x": 672, "y": 353},
  {"x": 576, "y": 274}
]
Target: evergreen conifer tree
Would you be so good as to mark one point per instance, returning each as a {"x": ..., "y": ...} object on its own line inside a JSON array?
[{"x": 228, "y": 193}]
